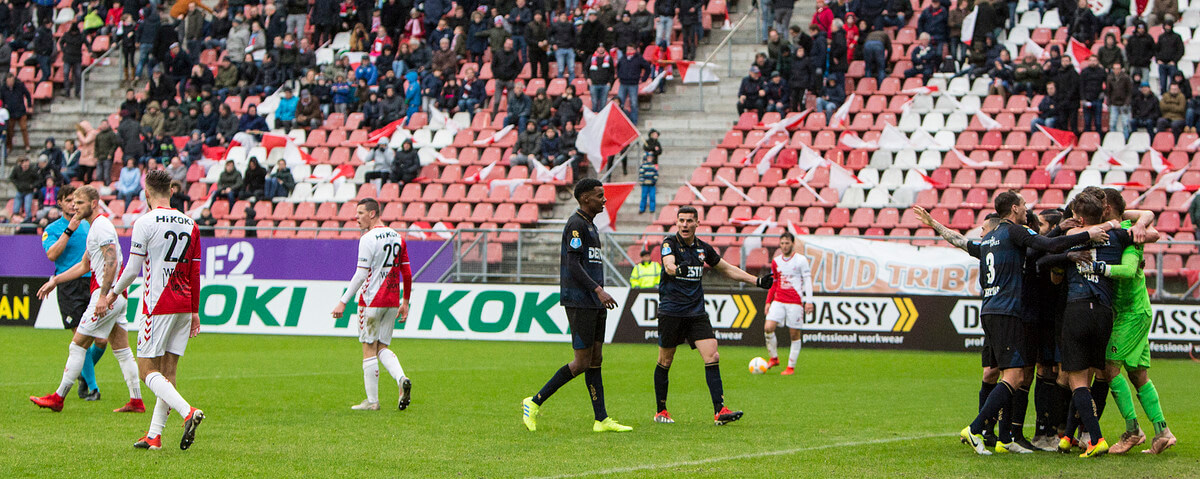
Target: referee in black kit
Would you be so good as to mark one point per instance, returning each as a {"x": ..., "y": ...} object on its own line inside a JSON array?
[
  {"x": 681, "y": 316},
  {"x": 581, "y": 278}
]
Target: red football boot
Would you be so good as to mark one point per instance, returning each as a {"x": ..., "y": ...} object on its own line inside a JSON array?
[{"x": 52, "y": 401}]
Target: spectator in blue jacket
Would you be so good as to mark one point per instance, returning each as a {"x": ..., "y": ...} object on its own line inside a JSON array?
[
  {"x": 412, "y": 95},
  {"x": 632, "y": 69},
  {"x": 925, "y": 59},
  {"x": 343, "y": 94},
  {"x": 472, "y": 94},
  {"x": 935, "y": 21},
  {"x": 367, "y": 71},
  {"x": 831, "y": 97},
  {"x": 285, "y": 113}
]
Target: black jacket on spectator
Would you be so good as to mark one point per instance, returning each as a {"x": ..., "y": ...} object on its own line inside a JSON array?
[
  {"x": 326, "y": 12},
  {"x": 664, "y": 8},
  {"x": 506, "y": 66},
  {"x": 632, "y": 70},
  {"x": 1050, "y": 108},
  {"x": 1067, "y": 81},
  {"x": 600, "y": 74},
  {"x": 1086, "y": 27},
  {"x": 1140, "y": 49},
  {"x": 406, "y": 166},
  {"x": 625, "y": 34},
  {"x": 131, "y": 138},
  {"x": 590, "y": 34},
  {"x": 750, "y": 87},
  {"x": 15, "y": 99},
  {"x": 1091, "y": 83},
  {"x": 1144, "y": 107},
  {"x": 569, "y": 109},
  {"x": 804, "y": 74},
  {"x": 1169, "y": 47},
  {"x": 562, "y": 34},
  {"x": 72, "y": 47},
  {"x": 837, "y": 53}
]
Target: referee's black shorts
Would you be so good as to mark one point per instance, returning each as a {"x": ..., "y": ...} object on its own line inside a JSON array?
[
  {"x": 73, "y": 299},
  {"x": 676, "y": 330},
  {"x": 1086, "y": 328},
  {"x": 1004, "y": 344},
  {"x": 587, "y": 326}
]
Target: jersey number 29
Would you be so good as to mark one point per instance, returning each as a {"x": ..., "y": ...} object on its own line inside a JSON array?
[{"x": 392, "y": 250}]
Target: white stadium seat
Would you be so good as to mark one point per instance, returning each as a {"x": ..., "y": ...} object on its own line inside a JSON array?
[{"x": 878, "y": 197}]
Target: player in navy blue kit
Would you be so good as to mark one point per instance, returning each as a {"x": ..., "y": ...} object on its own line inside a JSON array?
[
  {"x": 581, "y": 275},
  {"x": 1002, "y": 262},
  {"x": 681, "y": 315}
]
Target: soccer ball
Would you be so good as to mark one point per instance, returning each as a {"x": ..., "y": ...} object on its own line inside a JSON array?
[{"x": 758, "y": 365}]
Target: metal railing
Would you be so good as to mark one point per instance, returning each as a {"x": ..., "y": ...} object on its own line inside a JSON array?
[
  {"x": 532, "y": 255},
  {"x": 725, "y": 43},
  {"x": 113, "y": 46}
]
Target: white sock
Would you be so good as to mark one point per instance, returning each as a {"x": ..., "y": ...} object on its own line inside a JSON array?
[
  {"x": 166, "y": 392},
  {"x": 772, "y": 344},
  {"x": 75, "y": 355},
  {"x": 794, "y": 353},
  {"x": 371, "y": 378},
  {"x": 159, "y": 418},
  {"x": 129, "y": 369},
  {"x": 390, "y": 362}
]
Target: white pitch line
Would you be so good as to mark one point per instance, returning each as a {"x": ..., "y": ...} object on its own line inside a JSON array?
[{"x": 754, "y": 455}]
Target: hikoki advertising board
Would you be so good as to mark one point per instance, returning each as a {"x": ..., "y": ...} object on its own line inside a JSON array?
[{"x": 437, "y": 311}]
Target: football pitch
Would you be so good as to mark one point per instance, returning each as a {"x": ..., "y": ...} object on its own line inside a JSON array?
[{"x": 279, "y": 406}]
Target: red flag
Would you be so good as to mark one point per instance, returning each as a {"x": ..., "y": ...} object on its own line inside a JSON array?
[
  {"x": 1078, "y": 52},
  {"x": 1056, "y": 164},
  {"x": 615, "y": 193},
  {"x": 385, "y": 132},
  {"x": 605, "y": 135},
  {"x": 930, "y": 183},
  {"x": 987, "y": 122},
  {"x": 924, "y": 90},
  {"x": 841, "y": 117},
  {"x": 497, "y": 136},
  {"x": 481, "y": 174},
  {"x": 270, "y": 142},
  {"x": 1062, "y": 138},
  {"x": 1159, "y": 163}
]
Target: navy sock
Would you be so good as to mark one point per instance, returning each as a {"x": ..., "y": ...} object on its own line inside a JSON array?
[
  {"x": 561, "y": 377},
  {"x": 1072, "y": 418},
  {"x": 595, "y": 387},
  {"x": 712, "y": 373},
  {"x": 985, "y": 389},
  {"x": 1063, "y": 409},
  {"x": 1086, "y": 408},
  {"x": 1099, "y": 396},
  {"x": 1020, "y": 405},
  {"x": 1001, "y": 397},
  {"x": 660, "y": 386},
  {"x": 1042, "y": 404}
]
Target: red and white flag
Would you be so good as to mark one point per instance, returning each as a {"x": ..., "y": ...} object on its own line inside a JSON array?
[
  {"x": 808, "y": 159},
  {"x": 737, "y": 190},
  {"x": 1112, "y": 159},
  {"x": 615, "y": 193},
  {"x": 962, "y": 158},
  {"x": 755, "y": 242},
  {"x": 481, "y": 174},
  {"x": 753, "y": 220},
  {"x": 695, "y": 72},
  {"x": 1061, "y": 138},
  {"x": 439, "y": 120},
  {"x": 1126, "y": 184},
  {"x": 342, "y": 172},
  {"x": 1159, "y": 163},
  {"x": 605, "y": 135},
  {"x": 1056, "y": 164},
  {"x": 1194, "y": 145},
  {"x": 921, "y": 140},
  {"x": 417, "y": 230},
  {"x": 696, "y": 193},
  {"x": 442, "y": 230},
  {"x": 764, "y": 164},
  {"x": 1036, "y": 50},
  {"x": 841, "y": 117},
  {"x": 987, "y": 122},
  {"x": 550, "y": 175},
  {"x": 893, "y": 139},
  {"x": 968, "y": 26},
  {"x": 497, "y": 136},
  {"x": 852, "y": 141},
  {"x": 436, "y": 156},
  {"x": 791, "y": 227},
  {"x": 511, "y": 184},
  {"x": 923, "y": 90},
  {"x": 292, "y": 154},
  {"x": 841, "y": 179},
  {"x": 649, "y": 88},
  {"x": 384, "y": 132},
  {"x": 1078, "y": 52},
  {"x": 929, "y": 183},
  {"x": 790, "y": 123}
]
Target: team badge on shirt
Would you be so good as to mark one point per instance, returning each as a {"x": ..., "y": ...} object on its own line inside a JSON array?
[
  {"x": 666, "y": 249},
  {"x": 576, "y": 243},
  {"x": 700, "y": 254}
]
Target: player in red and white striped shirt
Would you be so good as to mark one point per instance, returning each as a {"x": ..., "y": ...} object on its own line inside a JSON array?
[
  {"x": 102, "y": 319},
  {"x": 165, "y": 248},
  {"x": 382, "y": 264},
  {"x": 788, "y": 300}
]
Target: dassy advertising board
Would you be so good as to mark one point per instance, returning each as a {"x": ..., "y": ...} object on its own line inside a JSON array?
[
  {"x": 938, "y": 323},
  {"x": 19, "y": 304},
  {"x": 437, "y": 311}
]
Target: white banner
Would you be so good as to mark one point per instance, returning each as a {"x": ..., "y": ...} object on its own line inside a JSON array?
[
  {"x": 852, "y": 265},
  {"x": 438, "y": 311}
]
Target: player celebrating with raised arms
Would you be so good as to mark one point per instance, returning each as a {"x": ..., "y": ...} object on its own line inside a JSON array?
[
  {"x": 165, "y": 248},
  {"x": 581, "y": 279},
  {"x": 101, "y": 320},
  {"x": 382, "y": 263},
  {"x": 681, "y": 315},
  {"x": 792, "y": 279}
]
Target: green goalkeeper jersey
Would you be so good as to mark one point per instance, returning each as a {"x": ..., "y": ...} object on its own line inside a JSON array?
[{"x": 1130, "y": 295}]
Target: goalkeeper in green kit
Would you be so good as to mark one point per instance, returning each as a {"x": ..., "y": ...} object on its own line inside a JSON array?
[{"x": 1129, "y": 345}]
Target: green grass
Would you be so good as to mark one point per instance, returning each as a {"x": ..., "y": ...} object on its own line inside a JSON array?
[{"x": 279, "y": 407}]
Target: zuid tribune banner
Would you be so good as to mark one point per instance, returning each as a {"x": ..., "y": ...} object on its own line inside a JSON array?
[
  {"x": 853, "y": 265},
  {"x": 437, "y": 311}
]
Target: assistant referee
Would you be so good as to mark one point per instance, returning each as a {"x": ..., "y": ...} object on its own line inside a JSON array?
[
  {"x": 581, "y": 278},
  {"x": 65, "y": 241},
  {"x": 681, "y": 315}
]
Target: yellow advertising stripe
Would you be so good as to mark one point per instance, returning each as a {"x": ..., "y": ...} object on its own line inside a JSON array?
[
  {"x": 751, "y": 311},
  {"x": 737, "y": 322},
  {"x": 913, "y": 314},
  {"x": 903, "y": 314}
]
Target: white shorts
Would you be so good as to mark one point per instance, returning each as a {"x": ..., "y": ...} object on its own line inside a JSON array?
[
  {"x": 100, "y": 328},
  {"x": 163, "y": 333},
  {"x": 787, "y": 314},
  {"x": 375, "y": 324}
]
